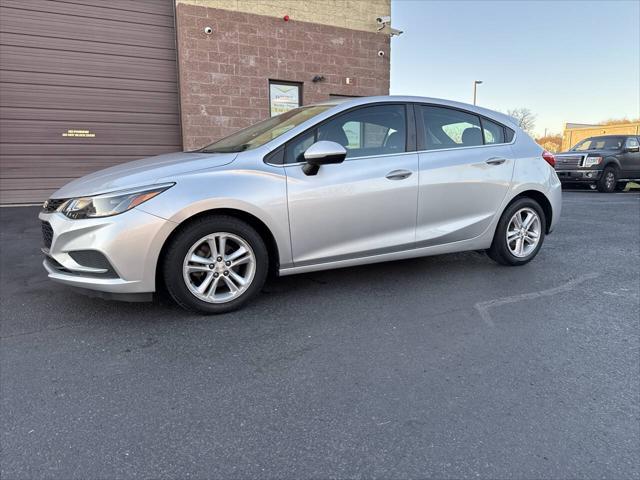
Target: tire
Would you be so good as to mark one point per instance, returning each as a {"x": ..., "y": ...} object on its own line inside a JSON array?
[
  {"x": 501, "y": 250},
  {"x": 608, "y": 180},
  {"x": 245, "y": 259}
]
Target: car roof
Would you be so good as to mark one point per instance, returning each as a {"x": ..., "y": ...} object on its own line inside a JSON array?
[{"x": 346, "y": 103}]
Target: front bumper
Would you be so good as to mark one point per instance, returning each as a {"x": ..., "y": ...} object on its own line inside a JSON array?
[
  {"x": 130, "y": 243},
  {"x": 579, "y": 176}
]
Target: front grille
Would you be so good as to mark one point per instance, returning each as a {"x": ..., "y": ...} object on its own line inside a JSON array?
[
  {"x": 47, "y": 234},
  {"x": 53, "y": 204},
  {"x": 568, "y": 161}
]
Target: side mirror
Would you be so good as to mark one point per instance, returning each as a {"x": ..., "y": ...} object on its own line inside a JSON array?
[{"x": 322, "y": 153}]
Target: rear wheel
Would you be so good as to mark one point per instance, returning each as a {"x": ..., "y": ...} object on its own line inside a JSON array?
[
  {"x": 519, "y": 234},
  {"x": 215, "y": 265},
  {"x": 608, "y": 180}
]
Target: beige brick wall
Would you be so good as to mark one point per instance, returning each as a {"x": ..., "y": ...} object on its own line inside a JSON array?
[
  {"x": 571, "y": 136},
  {"x": 353, "y": 14}
]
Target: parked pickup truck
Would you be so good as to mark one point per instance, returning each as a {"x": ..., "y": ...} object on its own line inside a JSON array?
[{"x": 606, "y": 163}]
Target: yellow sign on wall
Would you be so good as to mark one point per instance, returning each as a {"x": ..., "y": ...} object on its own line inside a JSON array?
[{"x": 78, "y": 133}]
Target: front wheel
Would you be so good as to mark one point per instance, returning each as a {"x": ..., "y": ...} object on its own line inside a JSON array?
[
  {"x": 215, "y": 264},
  {"x": 519, "y": 234},
  {"x": 608, "y": 180}
]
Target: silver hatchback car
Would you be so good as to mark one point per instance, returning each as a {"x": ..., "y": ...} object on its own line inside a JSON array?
[{"x": 323, "y": 186}]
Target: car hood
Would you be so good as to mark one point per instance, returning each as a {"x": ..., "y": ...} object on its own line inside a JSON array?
[{"x": 146, "y": 171}]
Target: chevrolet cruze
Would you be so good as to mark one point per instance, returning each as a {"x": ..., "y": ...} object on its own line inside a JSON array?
[{"x": 323, "y": 186}]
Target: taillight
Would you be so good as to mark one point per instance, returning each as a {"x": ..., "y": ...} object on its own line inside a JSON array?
[{"x": 549, "y": 158}]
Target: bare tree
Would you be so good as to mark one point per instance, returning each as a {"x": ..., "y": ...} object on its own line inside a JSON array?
[{"x": 525, "y": 118}]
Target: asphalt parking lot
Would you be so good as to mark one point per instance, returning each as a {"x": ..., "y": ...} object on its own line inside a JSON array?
[{"x": 443, "y": 367}]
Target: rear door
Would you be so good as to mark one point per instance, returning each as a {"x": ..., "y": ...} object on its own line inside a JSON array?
[
  {"x": 466, "y": 167},
  {"x": 364, "y": 206}
]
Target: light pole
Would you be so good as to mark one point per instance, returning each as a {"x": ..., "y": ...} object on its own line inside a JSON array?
[{"x": 475, "y": 86}]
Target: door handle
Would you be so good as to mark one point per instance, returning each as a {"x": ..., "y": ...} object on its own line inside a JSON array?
[
  {"x": 496, "y": 161},
  {"x": 398, "y": 174}
]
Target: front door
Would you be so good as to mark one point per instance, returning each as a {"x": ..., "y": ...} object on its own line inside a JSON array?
[
  {"x": 364, "y": 206},
  {"x": 630, "y": 159},
  {"x": 465, "y": 173}
]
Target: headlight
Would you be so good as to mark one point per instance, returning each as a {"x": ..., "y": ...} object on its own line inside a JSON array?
[
  {"x": 591, "y": 161},
  {"x": 109, "y": 204}
]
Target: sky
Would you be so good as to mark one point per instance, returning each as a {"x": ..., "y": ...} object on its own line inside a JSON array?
[{"x": 566, "y": 61}]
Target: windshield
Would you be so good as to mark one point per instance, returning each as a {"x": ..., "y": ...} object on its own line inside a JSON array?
[
  {"x": 599, "y": 143},
  {"x": 265, "y": 131}
]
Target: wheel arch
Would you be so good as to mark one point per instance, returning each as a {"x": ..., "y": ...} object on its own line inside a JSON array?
[
  {"x": 612, "y": 162},
  {"x": 256, "y": 223},
  {"x": 542, "y": 200}
]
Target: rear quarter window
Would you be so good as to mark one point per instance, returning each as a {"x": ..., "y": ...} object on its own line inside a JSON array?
[
  {"x": 508, "y": 134},
  {"x": 493, "y": 132}
]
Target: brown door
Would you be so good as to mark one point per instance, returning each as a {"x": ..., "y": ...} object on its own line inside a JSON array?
[{"x": 84, "y": 84}]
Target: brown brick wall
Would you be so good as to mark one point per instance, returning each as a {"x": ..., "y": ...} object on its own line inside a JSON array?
[{"x": 224, "y": 77}]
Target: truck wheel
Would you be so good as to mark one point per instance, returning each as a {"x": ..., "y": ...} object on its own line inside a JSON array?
[
  {"x": 519, "y": 234},
  {"x": 608, "y": 180},
  {"x": 215, "y": 264}
]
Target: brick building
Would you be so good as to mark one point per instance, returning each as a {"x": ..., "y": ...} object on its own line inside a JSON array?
[{"x": 85, "y": 84}]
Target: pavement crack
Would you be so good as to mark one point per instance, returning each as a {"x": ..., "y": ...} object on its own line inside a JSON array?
[
  {"x": 483, "y": 307},
  {"x": 41, "y": 330}
]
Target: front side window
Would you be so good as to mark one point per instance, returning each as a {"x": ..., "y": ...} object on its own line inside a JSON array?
[
  {"x": 449, "y": 128},
  {"x": 257, "y": 135},
  {"x": 294, "y": 152},
  {"x": 599, "y": 143},
  {"x": 367, "y": 131}
]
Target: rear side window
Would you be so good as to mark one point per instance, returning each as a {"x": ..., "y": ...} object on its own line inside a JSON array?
[
  {"x": 493, "y": 132},
  {"x": 449, "y": 128},
  {"x": 632, "y": 142}
]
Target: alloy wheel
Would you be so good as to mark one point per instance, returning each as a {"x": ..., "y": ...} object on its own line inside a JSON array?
[
  {"x": 610, "y": 180},
  {"x": 219, "y": 267},
  {"x": 523, "y": 232}
]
